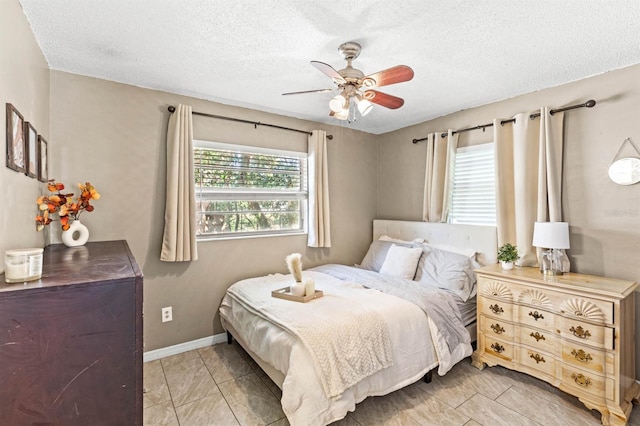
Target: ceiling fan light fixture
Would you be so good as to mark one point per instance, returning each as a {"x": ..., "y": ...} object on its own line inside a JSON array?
[
  {"x": 342, "y": 115},
  {"x": 337, "y": 103},
  {"x": 364, "y": 106}
]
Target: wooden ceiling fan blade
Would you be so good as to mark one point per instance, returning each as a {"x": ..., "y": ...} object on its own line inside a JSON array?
[
  {"x": 387, "y": 101},
  {"x": 329, "y": 71},
  {"x": 309, "y": 91},
  {"x": 393, "y": 75}
]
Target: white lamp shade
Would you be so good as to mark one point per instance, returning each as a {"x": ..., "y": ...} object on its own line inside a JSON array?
[
  {"x": 551, "y": 235},
  {"x": 342, "y": 114},
  {"x": 365, "y": 107},
  {"x": 337, "y": 103}
]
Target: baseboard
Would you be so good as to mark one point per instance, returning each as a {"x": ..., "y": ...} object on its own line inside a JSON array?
[{"x": 184, "y": 347}]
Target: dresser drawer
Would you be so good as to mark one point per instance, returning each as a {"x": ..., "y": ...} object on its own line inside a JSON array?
[
  {"x": 538, "y": 360},
  {"x": 536, "y": 318},
  {"x": 586, "y": 308},
  {"x": 496, "y": 308},
  {"x": 495, "y": 289},
  {"x": 492, "y": 327},
  {"x": 544, "y": 340},
  {"x": 584, "y": 333},
  {"x": 498, "y": 348},
  {"x": 583, "y": 357},
  {"x": 582, "y": 381}
]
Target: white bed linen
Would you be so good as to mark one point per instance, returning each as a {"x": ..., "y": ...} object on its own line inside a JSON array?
[
  {"x": 303, "y": 398},
  {"x": 347, "y": 341},
  {"x": 452, "y": 339},
  {"x": 468, "y": 310}
]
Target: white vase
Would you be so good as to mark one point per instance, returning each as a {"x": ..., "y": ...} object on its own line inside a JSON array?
[
  {"x": 76, "y": 235},
  {"x": 507, "y": 265}
]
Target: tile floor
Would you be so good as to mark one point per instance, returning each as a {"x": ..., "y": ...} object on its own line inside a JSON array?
[{"x": 221, "y": 385}]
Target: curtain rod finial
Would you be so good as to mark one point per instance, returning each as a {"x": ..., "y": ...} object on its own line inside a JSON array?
[
  {"x": 415, "y": 141},
  {"x": 171, "y": 108},
  {"x": 590, "y": 103},
  {"x": 330, "y": 137}
]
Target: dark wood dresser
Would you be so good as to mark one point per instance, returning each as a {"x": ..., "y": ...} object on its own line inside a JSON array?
[{"x": 71, "y": 342}]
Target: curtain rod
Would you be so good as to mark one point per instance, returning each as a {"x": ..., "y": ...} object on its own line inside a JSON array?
[
  {"x": 239, "y": 120},
  {"x": 589, "y": 104}
]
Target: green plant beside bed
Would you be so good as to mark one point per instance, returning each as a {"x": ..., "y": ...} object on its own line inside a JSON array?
[{"x": 508, "y": 253}]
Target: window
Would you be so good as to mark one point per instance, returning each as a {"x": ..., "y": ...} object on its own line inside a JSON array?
[
  {"x": 245, "y": 191},
  {"x": 473, "y": 197}
]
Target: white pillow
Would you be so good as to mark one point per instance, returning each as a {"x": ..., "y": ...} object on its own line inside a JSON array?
[
  {"x": 376, "y": 255},
  {"x": 450, "y": 271},
  {"x": 401, "y": 262}
]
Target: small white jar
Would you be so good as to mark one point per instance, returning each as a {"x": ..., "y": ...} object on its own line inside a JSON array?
[
  {"x": 310, "y": 287},
  {"x": 22, "y": 265},
  {"x": 297, "y": 289}
]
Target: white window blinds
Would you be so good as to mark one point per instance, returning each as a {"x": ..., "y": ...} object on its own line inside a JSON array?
[
  {"x": 473, "y": 198},
  {"x": 244, "y": 191}
]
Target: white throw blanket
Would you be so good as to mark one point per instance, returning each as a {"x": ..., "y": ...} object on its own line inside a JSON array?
[
  {"x": 345, "y": 348},
  {"x": 451, "y": 339}
]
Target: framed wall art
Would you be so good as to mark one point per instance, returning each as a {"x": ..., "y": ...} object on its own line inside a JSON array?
[
  {"x": 31, "y": 143},
  {"x": 43, "y": 160},
  {"x": 16, "y": 155}
]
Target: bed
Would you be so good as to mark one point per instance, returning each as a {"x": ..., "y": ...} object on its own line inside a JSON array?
[{"x": 377, "y": 328}]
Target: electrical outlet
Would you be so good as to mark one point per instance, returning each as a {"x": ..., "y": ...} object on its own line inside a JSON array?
[{"x": 167, "y": 314}]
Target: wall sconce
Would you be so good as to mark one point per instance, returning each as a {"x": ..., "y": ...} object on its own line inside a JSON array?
[{"x": 554, "y": 237}]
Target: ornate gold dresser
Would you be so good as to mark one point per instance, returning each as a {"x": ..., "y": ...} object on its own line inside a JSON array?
[{"x": 574, "y": 331}]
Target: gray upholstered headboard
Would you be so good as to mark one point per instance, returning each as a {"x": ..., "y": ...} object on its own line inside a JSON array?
[{"x": 483, "y": 239}]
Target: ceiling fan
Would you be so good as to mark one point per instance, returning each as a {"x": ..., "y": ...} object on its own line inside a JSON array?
[{"x": 356, "y": 89}]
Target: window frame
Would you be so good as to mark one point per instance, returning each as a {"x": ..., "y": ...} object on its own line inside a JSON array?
[{"x": 256, "y": 194}]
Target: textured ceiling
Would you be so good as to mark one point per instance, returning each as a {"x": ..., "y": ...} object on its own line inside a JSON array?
[{"x": 247, "y": 53}]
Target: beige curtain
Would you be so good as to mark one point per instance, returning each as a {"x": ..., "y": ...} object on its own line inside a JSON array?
[
  {"x": 319, "y": 222},
  {"x": 438, "y": 181},
  {"x": 179, "y": 241},
  {"x": 528, "y": 179}
]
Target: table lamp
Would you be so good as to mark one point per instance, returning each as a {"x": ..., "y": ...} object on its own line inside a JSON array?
[{"x": 552, "y": 236}]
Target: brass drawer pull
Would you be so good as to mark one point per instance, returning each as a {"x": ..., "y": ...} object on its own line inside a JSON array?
[
  {"x": 581, "y": 355},
  {"x": 537, "y": 357},
  {"x": 580, "y": 332},
  {"x": 497, "y": 328},
  {"x": 537, "y": 336},
  {"x": 536, "y": 316},
  {"x": 581, "y": 380},
  {"x": 497, "y": 347},
  {"x": 496, "y": 309}
]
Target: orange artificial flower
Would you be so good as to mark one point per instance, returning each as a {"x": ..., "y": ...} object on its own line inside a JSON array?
[{"x": 63, "y": 204}]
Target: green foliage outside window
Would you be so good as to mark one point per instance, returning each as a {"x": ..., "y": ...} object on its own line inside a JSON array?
[{"x": 242, "y": 192}]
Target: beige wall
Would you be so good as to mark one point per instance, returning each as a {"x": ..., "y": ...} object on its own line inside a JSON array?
[
  {"x": 24, "y": 82},
  {"x": 114, "y": 136},
  {"x": 604, "y": 218}
]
